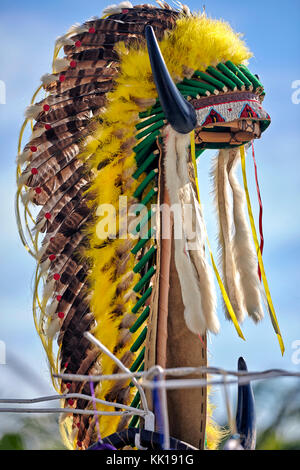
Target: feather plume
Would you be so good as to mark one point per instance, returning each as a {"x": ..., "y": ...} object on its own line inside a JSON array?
[
  {"x": 23, "y": 157},
  {"x": 76, "y": 29},
  {"x": 53, "y": 328},
  {"x": 52, "y": 308},
  {"x": 49, "y": 78},
  {"x": 38, "y": 132},
  {"x": 64, "y": 40},
  {"x": 113, "y": 9},
  {"x": 32, "y": 111},
  {"x": 61, "y": 64}
]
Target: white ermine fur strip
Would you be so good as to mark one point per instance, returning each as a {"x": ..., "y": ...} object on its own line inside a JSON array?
[
  {"x": 222, "y": 204},
  {"x": 195, "y": 276},
  {"x": 61, "y": 65},
  {"x": 244, "y": 252},
  {"x": 113, "y": 9},
  {"x": 32, "y": 111}
]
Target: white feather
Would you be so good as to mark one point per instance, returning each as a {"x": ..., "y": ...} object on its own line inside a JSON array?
[
  {"x": 27, "y": 196},
  {"x": 41, "y": 251},
  {"x": 130, "y": 295},
  {"x": 53, "y": 328},
  {"x": 45, "y": 266},
  {"x": 23, "y": 157},
  {"x": 77, "y": 29},
  {"x": 48, "y": 78},
  {"x": 51, "y": 309},
  {"x": 32, "y": 111},
  {"x": 113, "y": 9},
  {"x": 23, "y": 178},
  {"x": 37, "y": 133},
  {"x": 64, "y": 41},
  {"x": 61, "y": 64},
  {"x": 48, "y": 290},
  {"x": 38, "y": 227}
]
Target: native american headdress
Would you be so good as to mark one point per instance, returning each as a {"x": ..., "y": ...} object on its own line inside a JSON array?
[{"x": 113, "y": 148}]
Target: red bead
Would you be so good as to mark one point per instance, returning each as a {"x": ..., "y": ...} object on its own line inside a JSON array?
[
  {"x": 58, "y": 297},
  {"x": 92, "y": 30},
  {"x": 79, "y": 443},
  {"x": 34, "y": 171},
  {"x": 33, "y": 148},
  {"x": 62, "y": 78},
  {"x": 68, "y": 386},
  {"x": 46, "y": 107},
  {"x": 56, "y": 277},
  {"x": 38, "y": 190},
  {"x": 52, "y": 257},
  {"x": 61, "y": 315},
  {"x": 47, "y": 127},
  {"x": 71, "y": 402},
  {"x": 66, "y": 365},
  {"x": 52, "y": 239},
  {"x": 48, "y": 215},
  {"x": 73, "y": 64},
  {"x": 78, "y": 43}
]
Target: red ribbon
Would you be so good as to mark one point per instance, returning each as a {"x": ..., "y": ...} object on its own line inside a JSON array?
[{"x": 260, "y": 208}]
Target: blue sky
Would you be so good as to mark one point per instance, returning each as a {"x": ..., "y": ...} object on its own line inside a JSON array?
[{"x": 27, "y": 33}]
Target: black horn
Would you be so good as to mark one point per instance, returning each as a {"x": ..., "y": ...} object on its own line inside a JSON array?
[
  {"x": 245, "y": 416},
  {"x": 180, "y": 113}
]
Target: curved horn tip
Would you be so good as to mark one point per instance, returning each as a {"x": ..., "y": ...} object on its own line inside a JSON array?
[
  {"x": 180, "y": 114},
  {"x": 245, "y": 415},
  {"x": 242, "y": 364}
]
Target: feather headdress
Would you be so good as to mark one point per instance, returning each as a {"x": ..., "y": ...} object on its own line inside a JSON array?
[{"x": 100, "y": 137}]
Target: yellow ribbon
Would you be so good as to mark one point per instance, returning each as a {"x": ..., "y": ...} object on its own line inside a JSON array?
[
  {"x": 259, "y": 256},
  {"x": 222, "y": 288}
]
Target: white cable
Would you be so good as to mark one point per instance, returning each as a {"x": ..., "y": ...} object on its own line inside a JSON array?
[
  {"x": 164, "y": 407},
  {"x": 65, "y": 396},
  {"x": 72, "y": 410},
  {"x": 196, "y": 383},
  {"x": 180, "y": 371},
  {"x": 104, "y": 349}
]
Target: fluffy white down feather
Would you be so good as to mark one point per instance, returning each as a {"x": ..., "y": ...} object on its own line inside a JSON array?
[{"x": 114, "y": 9}]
